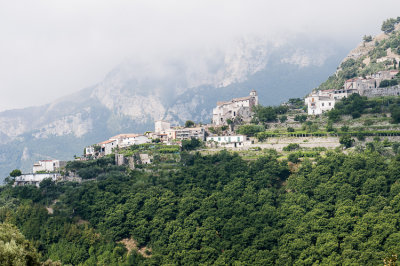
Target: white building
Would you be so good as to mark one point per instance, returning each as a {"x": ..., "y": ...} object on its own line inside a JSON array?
[
  {"x": 106, "y": 147},
  {"x": 160, "y": 126},
  {"x": 236, "y": 108},
  {"x": 47, "y": 166},
  {"x": 320, "y": 101},
  {"x": 35, "y": 179},
  {"x": 125, "y": 140},
  {"x": 228, "y": 141},
  {"x": 140, "y": 139},
  {"x": 89, "y": 151}
]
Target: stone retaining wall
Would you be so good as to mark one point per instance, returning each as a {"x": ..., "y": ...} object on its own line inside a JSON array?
[{"x": 376, "y": 92}]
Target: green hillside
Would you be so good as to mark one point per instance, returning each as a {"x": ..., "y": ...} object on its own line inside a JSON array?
[{"x": 218, "y": 209}]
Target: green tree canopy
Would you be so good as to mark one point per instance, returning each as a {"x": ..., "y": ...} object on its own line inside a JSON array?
[{"x": 14, "y": 248}]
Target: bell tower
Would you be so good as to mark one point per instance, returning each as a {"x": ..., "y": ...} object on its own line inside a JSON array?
[{"x": 254, "y": 95}]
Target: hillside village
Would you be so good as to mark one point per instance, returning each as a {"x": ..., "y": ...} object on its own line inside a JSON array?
[
  {"x": 307, "y": 126},
  {"x": 374, "y": 85}
]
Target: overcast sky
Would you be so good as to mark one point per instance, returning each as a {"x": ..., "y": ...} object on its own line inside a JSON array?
[{"x": 49, "y": 49}]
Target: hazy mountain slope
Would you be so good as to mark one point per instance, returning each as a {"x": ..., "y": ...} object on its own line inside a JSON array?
[{"x": 177, "y": 88}]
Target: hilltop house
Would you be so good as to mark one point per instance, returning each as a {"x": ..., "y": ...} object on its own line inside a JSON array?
[
  {"x": 121, "y": 140},
  {"x": 236, "y": 108},
  {"x": 107, "y": 146},
  {"x": 47, "y": 165},
  {"x": 125, "y": 140}
]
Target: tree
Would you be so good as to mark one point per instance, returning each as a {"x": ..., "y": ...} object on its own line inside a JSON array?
[
  {"x": 395, "y": 114},
  {"x": 191, "y": 144},
  {"x": 264, "y": 114},
  {"x": 15, "y": 173},
  {"x": 388, "y": 25},
  {"x": 250, "y": 130},
  {"x": 367, "y": 38},
  {"x": 189, "y": 123},
  {"x": 14, "y": 248}
]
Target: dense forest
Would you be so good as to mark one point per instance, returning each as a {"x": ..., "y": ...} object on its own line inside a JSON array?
[{"x": 215, "y": 209}]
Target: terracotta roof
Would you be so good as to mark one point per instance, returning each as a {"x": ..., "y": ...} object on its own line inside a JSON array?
[
  {"x": 242, "y": 98},
  {"x": 121, "y": 136},
  {"x": 106, "y": 142}
]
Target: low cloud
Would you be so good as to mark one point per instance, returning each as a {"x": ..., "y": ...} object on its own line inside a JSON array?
[{"x": 52, "y": 48}]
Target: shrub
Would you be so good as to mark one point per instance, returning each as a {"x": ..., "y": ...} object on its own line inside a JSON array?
[
  {"x": 283, "y": 118},
  {"x": 191, "y": 144},
  {"x": 290, "y": 129},
  {"x": 292, "y": 147},
  {"x": 329, "y": 127},
  {"x": 300, "y": 118},
  {"x": 395, "y": 147},
  {"x": 261, "y": 136},
  {"x": 250, "y": 130},
  {"x": 344, "y": 128},
  {"x": 368, "y": 122},
  {"x": 346, "y": 141},
  {"x": 189, "y": 123},
  {"x": 356, "y": 114},
  {"x": 360, "y": 136},
  {"x": 367, "y": 38},
  {"x": 293, "y": 157}
]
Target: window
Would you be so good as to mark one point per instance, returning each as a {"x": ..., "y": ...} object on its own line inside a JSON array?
[
  {"x": 238, "y": 139},
  {"x": 329, "y": 104},
  {"x": 323, "y": 104},
  {"x": 219, "y": 139}
]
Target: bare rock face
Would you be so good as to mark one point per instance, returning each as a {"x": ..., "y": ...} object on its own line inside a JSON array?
[{"x": 76, "y": 125}]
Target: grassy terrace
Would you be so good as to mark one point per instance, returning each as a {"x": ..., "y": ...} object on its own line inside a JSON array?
[{"x": 267, "y": 134}]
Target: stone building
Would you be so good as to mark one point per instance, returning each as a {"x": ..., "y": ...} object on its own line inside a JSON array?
[
  {"x": 359, "y": 85},
  {"x": 237, "y": 108}
]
